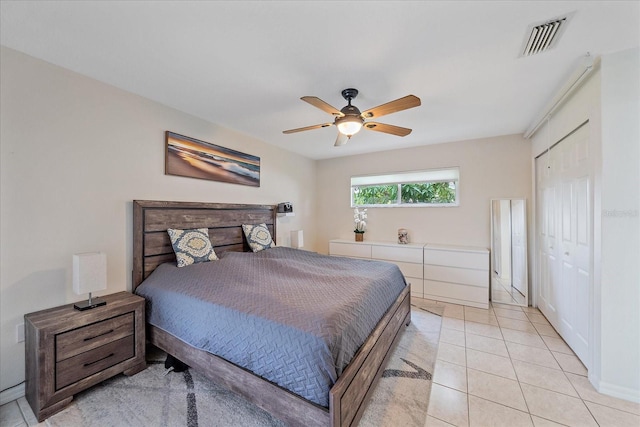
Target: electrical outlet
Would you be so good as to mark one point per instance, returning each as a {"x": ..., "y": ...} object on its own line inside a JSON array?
[{"x": 20, "y": 332}]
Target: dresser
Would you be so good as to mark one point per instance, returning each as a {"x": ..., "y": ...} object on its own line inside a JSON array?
[
  {"x": 68, "y": 351},
  {"x": 456, "y": 274}
]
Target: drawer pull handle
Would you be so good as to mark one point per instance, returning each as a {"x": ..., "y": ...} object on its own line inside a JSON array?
[
  {"x": 97, "y": 336},
  {"x": 99, "y": 360}
]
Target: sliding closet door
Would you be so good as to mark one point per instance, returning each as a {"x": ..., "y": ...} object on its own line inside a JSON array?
[
  {"x": 546, "y": 236},
  {"x": 564, "y": 238},
  {"x": 575, "y": 239}
]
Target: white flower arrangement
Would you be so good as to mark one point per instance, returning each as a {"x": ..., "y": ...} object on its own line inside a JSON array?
[{"x": 359, "y": 217}]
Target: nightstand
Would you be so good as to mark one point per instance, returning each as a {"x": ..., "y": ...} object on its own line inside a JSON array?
[{"x": 68, "y": 351}]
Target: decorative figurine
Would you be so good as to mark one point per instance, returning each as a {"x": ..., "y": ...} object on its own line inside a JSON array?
[{"x": 403, "y": 236}]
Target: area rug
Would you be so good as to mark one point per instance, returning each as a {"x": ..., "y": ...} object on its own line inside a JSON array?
[{"x": 151, "y": 398}]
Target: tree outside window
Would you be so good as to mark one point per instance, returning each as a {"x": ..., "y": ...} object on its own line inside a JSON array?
[{"x": 427, "y": 193}]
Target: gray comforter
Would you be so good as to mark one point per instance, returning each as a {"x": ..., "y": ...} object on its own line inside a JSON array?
[{"x": 293, "y": 317}]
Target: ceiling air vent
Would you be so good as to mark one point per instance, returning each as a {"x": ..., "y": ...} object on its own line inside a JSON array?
[{"x": 544, "y": 36}]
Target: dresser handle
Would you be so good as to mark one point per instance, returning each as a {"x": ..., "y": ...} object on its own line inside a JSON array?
[
  {"x": 99, "y": 360},
  {"x": 97, "y": 336}
]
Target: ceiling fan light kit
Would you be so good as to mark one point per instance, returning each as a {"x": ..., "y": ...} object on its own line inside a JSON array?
[
  {"x": 349, "y": 125},
  {"x": 350, "y": 120}
]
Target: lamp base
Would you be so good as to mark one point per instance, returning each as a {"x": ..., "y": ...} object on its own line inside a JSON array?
[{"x": 89, "y": 304}]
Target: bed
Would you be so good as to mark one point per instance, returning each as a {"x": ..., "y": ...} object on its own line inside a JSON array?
[{"x": 347, "y": 397}]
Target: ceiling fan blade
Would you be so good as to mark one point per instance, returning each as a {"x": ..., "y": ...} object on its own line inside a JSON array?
[
  {"x": 393, "y": 130},
  {"x": 323, "y": 125},
  {"x": 319, "y": 103},
  {"x": 409, "y": 101},
  {"x": 341, "y": 139}
]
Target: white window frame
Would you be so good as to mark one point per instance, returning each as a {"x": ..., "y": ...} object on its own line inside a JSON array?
[{"x": 449, "y": 174}]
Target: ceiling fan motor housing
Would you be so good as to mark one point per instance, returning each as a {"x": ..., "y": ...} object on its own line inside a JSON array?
[{"x": 350, "y": 110}]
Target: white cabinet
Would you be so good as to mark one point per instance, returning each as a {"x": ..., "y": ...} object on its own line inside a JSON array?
[
  {"x": 407, "y": 257},
  {"x": 457, "y": 274}
]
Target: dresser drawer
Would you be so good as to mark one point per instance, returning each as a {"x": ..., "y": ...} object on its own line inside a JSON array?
[
  {"x": 397, "y": 253},
  {"x": 92, "y": 336},
  {"x": 357, "y": 250},
  {"x": 456, "y": 293},
  {"x": 85, "y": 364},
  {"x": 464, "y": 276},
  {"x": 479, "y": 261}
]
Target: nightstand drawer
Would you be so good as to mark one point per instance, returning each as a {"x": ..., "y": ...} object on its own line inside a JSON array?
[
  {"x": 83, "y": 365},
  {"x": 92, "y": 336}
]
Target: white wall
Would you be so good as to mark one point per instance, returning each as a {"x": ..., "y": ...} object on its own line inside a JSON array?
[
  {"x": 620, "y": 221},
  {"x": 74, "y": 154},
  {"x": 497, "y": 167}
]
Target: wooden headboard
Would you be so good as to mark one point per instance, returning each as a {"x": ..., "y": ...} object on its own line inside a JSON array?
[{"x": 151, "y": 219}]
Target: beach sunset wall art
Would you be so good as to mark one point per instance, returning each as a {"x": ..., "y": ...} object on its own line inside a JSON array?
[{"x": 198, "y": 159}]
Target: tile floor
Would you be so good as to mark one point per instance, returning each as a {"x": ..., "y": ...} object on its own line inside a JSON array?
[
  {"x": 18, "y": 414},
  {"x": 505, "y": 366}
]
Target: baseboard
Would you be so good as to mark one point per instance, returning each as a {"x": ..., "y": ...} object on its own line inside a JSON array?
[
  {"x": 11, "y": 394},
  {"x": 632, "y": 395}
]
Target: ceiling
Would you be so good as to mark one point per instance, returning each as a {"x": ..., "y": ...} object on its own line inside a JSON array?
[{"x": 245, "y": 65}]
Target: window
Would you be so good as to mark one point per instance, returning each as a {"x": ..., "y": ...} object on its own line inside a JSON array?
[{"x": 434, "y": 187}]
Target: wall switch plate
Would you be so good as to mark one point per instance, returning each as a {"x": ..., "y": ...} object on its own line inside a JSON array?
[{"x": 20, "y": 332}]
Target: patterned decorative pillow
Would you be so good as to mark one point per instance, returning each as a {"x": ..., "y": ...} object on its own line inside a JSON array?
[
  {"x": 191, "y": 246},
  {"x": 258, "y": 237}
]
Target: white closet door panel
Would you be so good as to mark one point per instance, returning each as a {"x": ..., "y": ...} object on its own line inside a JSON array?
[
  {"x": 566, "y": 211},
  {"x": 350, "y": 249},
  {"x": 582, "y": 211},
  {"x": 554, "y": 280},
  {"x": 567, "y": 305},
  {"x": 579, "y": 252},
  {"x": 398, "y": 253},
  {"x": 551, "y": 213},
  {"x": 475, "y": 260},
  {"x": 582, "y": 314},
  {"x": 457, "y": 275}
]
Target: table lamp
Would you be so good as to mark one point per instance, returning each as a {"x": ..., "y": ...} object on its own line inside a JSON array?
[
  {"x": 89, "y": 275},
  {"x": 297, "y": 239}
]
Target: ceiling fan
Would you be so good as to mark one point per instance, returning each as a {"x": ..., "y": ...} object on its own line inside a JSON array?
[{"x": 350, "y": 120}]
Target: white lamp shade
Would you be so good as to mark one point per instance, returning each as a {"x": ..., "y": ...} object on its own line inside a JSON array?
[
  {"x": 350, "y": 126},
  {"x": 89, "y": 272},
  {"x": 297, "y": 239}
]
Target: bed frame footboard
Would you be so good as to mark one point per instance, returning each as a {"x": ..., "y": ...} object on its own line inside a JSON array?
[{"x": 349, "y": 396}]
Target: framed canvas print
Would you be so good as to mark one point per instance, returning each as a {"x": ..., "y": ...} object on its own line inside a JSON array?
[{"x": 198, "y": 159}]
